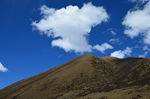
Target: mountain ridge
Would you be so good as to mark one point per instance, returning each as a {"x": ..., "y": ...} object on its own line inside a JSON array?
[{"x": 82, "y": 77}]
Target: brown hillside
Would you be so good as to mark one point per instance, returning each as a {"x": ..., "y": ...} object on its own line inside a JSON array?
[{"x": 87, "y": 77}]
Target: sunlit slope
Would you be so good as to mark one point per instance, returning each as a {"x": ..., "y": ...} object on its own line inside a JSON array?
[{"x": 86, "y": 77}]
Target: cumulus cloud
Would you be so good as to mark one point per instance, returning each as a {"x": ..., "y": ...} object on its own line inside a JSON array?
[
  {"x": 103, "y": 47},
  {"x": 122, "y": 53},
  {"x": 2, "y": 68},
  {"x": 71, "y": 26},
  {"x": 137, "y": 22}
]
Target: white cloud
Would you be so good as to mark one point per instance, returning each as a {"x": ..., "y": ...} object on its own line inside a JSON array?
[
  {"x": 137, "y": 23},
  {"x": 2, "y": 68},
  {"x": 103, "y": 47},
  {"x": 143, "y": 55},
  {"x": 122, "y": 53},
  {"x": 71, "y": 26}
]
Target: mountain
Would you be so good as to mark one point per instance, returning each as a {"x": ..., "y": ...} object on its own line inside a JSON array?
[{"x": 87, "y": 77}]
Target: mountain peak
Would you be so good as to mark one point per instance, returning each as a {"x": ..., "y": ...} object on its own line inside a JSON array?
[
  {"x": 87, "y": 55},
  {"x": 86, "y": 77}
]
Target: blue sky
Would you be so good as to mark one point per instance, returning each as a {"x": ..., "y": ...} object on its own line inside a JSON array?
[{"x": 36, "y": 35}]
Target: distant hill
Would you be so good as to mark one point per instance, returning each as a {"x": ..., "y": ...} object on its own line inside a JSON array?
[{"x": 87, "y": 77}]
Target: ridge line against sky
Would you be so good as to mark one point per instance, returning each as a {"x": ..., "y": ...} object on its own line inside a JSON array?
[
  {"x": 37, "y": 35},
  {"x": 70, "y": 28}
]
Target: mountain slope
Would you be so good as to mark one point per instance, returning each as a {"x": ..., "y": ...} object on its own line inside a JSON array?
[{"x": 87, "y": 77}]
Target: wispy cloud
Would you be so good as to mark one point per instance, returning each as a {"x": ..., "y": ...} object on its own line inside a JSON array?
[
  {"x": 143, "y": 55},
  {"x": 122, "y": 53},
  {"x": 115, "y": 40},
  {"x": 103, "y": 47},
  {"x": 143, "y": 1},
  {"x": 139, "y": 1},
  {"x": 111, "y": 30}
]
